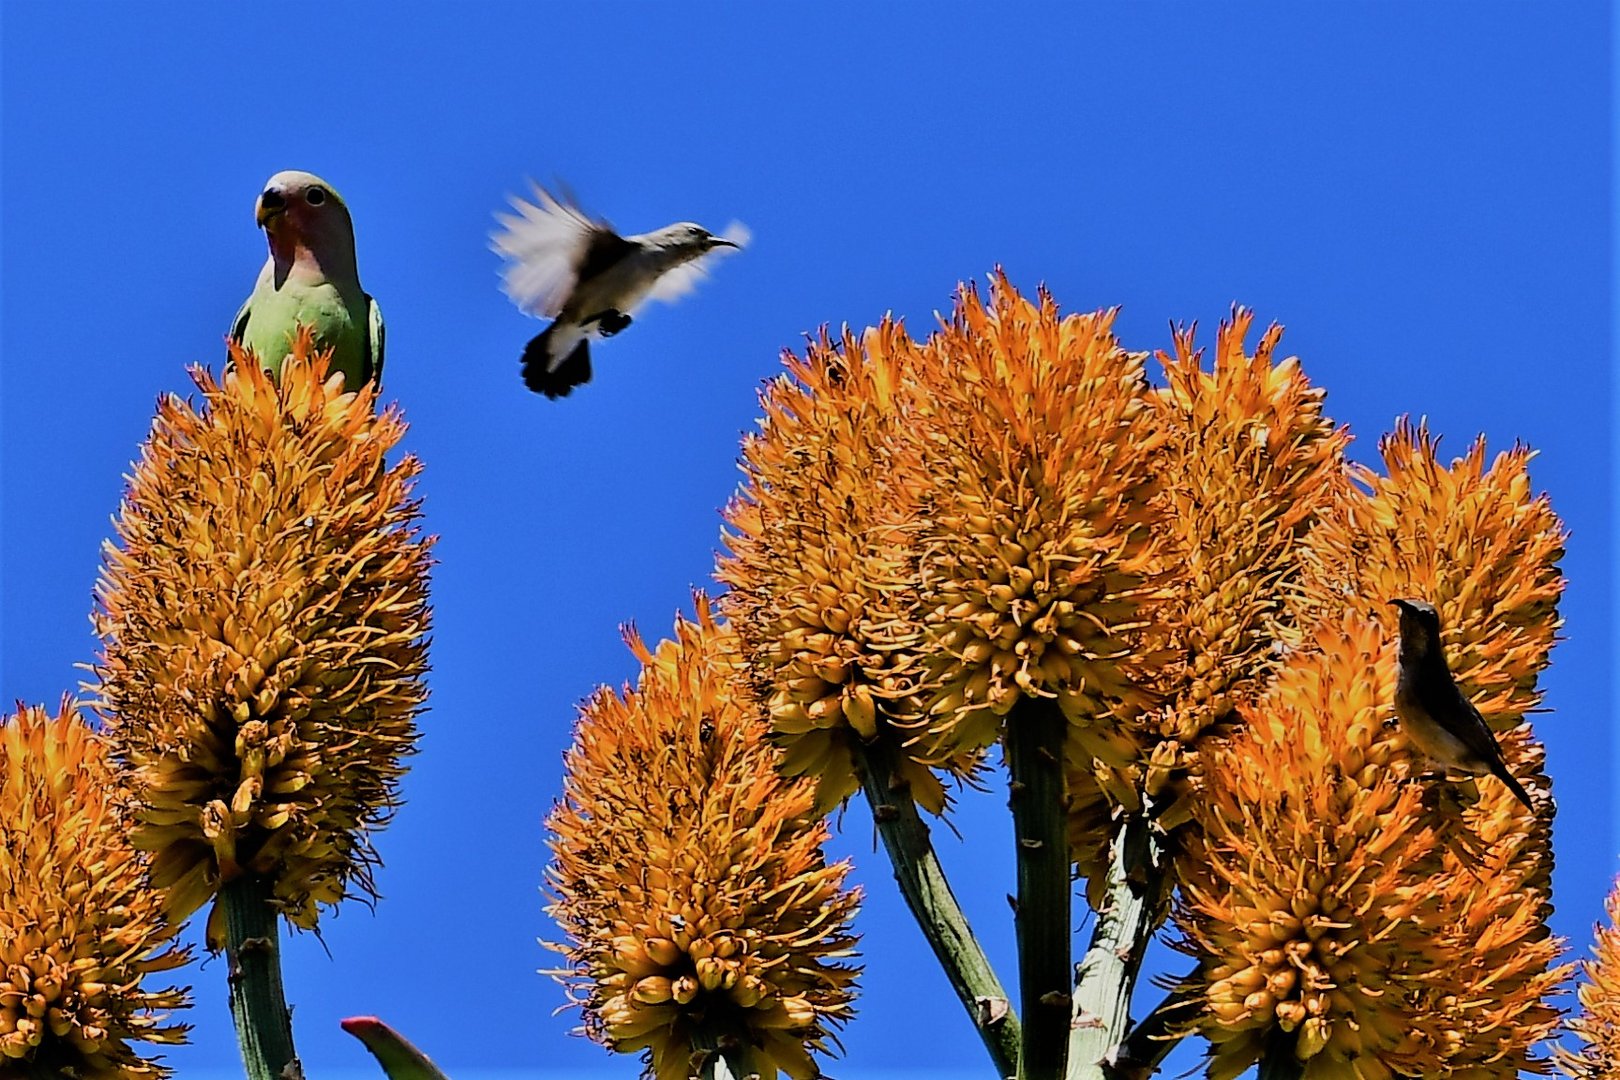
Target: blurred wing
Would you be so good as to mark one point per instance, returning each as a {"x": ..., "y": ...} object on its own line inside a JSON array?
[
  {"x": 545, "y": 243},
  {"x": 676, "y": 283}
]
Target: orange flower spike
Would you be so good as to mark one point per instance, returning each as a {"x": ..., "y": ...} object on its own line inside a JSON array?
[
  {"x": 820, "y": 562},
  {"x": 1598, "y": 1026},
  {"x": 1251, "y": 461},
  {"x": 263, "y": 618},
  {"x": 80, "y": 928},
  {"x": 689, "y": 875},
  {"x": 1038, "y": 457}
]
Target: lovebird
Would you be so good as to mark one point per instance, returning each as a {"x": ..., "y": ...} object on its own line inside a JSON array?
[
  {"x": 1433, "y": 712},
  {"x": 310, "y": 278},
  {"x": 566, "y": 266}
]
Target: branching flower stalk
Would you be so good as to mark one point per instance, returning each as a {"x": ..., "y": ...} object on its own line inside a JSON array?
[
  {"x": 264, "y": 619},
  {"x": 1387, "y": 922},
  {"x": 1249, "y": 462}
]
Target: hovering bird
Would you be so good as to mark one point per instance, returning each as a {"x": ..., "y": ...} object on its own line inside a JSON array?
[
  {"x": 310, "y": 278},
  {"x": 574, "y": 269},
  {"x": 1433, "y": 712}
]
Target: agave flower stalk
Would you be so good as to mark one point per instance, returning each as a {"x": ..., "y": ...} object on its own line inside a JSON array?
[
  {"x": 1349, "y": 911},
  {"x": 1249, "y": 463},
  {"x": 1037, "y": 458},
  {"x": 703, "y": 921},
  {"x": 1598, "y": 1026},
  {"x": 263, "y": 618},
  {"x": 81, "y": 932},
  {"x": 822, "y": 568}
]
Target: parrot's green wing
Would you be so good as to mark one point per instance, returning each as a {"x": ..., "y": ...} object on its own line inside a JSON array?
[
  {"x": 375, "y": 339},
  {"x": 239, "y": 324}
]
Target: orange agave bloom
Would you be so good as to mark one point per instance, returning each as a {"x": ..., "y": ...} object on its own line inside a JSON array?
[
  {"x": 1313, "y": 875},
  {"x": 1470, "y": 539},
  {"x": 821, "y": 567},
  {"x": 1037, "y": 446},
  {"x": 689, "y": 875},
  {"x": 263, "y": 619},
  {"x": 80, "y": 929},
  {"x": 1250, "y": 463},
  {"x": 1599, "y": 1025},
  {"x": 1484, "y": 550}
]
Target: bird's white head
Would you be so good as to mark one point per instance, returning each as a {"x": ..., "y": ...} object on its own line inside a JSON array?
[
  {"x": 687, "y": 239},
  {"x": 300, "y": 211}
]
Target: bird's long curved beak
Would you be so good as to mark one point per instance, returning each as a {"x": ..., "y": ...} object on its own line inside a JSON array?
[
  {"x": 269, "y": 207},
  {"x": 720, "y": 241}
]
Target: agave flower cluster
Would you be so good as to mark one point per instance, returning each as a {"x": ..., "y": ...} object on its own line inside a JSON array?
[
  {"x": 689, "y": 876},
  {"x": 821, "y": 563},
  {"x": 1598, "y": 1026},
  {"x": 81, "y": 931},
  {"x": 1251, "y": 462},
  {"x": 940, "y": 529},
  {"x": 263, "y": 618},
  {"x": 1384, "y": 922}
]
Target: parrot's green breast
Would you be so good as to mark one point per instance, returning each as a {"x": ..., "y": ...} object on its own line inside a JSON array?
[{"x": 341, "y": 323}]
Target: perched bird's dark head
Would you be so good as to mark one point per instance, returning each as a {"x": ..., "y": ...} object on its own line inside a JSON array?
[{"x": 1420, "y": 627}]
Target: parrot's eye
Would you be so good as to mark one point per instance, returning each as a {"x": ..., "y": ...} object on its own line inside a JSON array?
[{"x": 315, "y": 196}]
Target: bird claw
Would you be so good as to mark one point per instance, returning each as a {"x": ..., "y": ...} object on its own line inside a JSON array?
[{"x": 610, "y": 322}]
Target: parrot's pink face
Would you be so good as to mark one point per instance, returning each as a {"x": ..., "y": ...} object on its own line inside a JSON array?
[{"x": 301, "y": 214}]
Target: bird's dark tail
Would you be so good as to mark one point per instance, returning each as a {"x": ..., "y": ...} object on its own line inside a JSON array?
[
  {"x": 558, "y": 381},
  {"x": 1501, "y": 773}
]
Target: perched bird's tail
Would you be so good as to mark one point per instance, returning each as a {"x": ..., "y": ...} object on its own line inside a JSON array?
[
  {"x": 1501, "y": 773},
  {"x": 546, "y": 372}
]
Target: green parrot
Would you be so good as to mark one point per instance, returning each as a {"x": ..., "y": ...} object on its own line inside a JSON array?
[{"x": 310, "y": 278}]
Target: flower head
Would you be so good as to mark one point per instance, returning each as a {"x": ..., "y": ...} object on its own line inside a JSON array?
[
  {"x": 1430, "y": 953},
  {"x": 1249, "y": 464},
  {"x": 1325, "y": 899},
  {"x": 263, "y": 619},
  {"x": 1598, "y": 1027},
  {"x": 688, "y": 873},
  {"x": 80, "y": 929},
  {"x": 821, "y": 567},
  {"x": 1033, "y": 538}
]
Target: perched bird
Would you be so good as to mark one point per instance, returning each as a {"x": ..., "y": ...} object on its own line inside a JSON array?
[
  {"x": 574, "y": 269},
  {"x": 1433, "y": 712},
  {"x": 310, "y": 278}
]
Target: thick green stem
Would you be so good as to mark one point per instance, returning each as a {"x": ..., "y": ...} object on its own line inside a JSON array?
[
  {"x": 1278, "y": 1062},
  {"x": 1150, "y": 1042},
  {"x": 253, "y": 966},
  {"x": 922, "y": 882},
  {"x": 1106, "y": 977},
  {"x": 1034, "y": 743}
]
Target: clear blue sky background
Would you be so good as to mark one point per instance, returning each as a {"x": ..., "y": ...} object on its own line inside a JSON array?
[{"x": 1419, "y": 192}]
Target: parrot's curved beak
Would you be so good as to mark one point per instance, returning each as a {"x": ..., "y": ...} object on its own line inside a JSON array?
[{"x": 269, "y": 208}]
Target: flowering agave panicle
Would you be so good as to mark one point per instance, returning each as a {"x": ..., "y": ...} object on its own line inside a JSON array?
[
  {"x": 689, "y": 875},
  {"x": 1039, "y": 454},
  {"x": 1323, "y": 900},
  {"x": 1250, "y": 462},
  {"x": 821, "y": 563},
  {"x": 1470, "y": 539},
  {"x": 263, "y": 620},
  {"x": 1598, "y": 1026},
  {"x": 80, "y": 928}
]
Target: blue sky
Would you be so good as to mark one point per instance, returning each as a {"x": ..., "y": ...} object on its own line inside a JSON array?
[{"x": 1420, "y": 193}]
